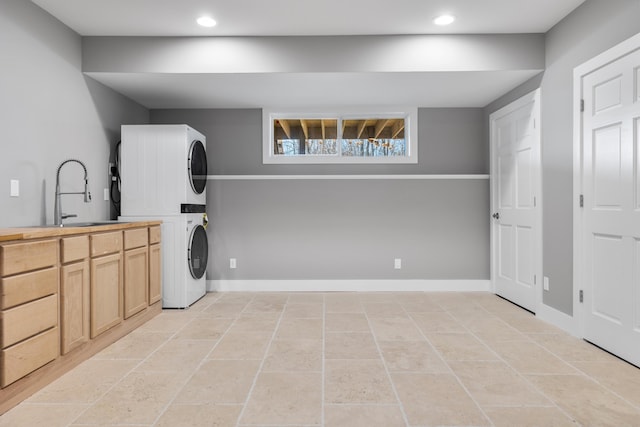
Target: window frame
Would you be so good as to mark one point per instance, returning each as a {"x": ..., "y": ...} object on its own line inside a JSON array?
[{"x": 410, "y": 115}]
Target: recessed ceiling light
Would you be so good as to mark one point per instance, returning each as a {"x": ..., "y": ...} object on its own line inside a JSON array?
[
  {"x": 206, "y": 21},
  {"x": 444, "y": 19}
]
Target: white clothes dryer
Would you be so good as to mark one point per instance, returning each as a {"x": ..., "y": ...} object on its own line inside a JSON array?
[
  {"x": 163, "y": 169},
  {"x": 185, "y": 249}
]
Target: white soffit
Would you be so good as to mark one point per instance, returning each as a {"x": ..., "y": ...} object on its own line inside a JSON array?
[{"x": 305, "y": 17}]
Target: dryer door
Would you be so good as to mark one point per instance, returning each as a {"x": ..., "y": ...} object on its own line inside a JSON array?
[
  {"x": 198, "y": 252},
  {"x": 197, "y": 165}
]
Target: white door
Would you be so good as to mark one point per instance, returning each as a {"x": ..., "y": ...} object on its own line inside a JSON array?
[
  {"x": 515, "y": 188},
  {"x": 611, "y": 213}
]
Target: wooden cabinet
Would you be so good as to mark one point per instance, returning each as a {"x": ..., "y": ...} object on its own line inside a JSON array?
[
  {"x": 136, "y": 271},
  {"x": 29, "y": 336},
  {"x": 155, "y": 273},
  {"x": 74, "y": 292},
  {"x": 106, "y": 281},
  {"x": 66, "y": 294}
]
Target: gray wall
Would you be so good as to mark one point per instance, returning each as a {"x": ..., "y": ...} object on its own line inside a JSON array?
[
  {"x": 49, "y": 111},
  {"x": 591, "y": 29},
  {"x": 317, "y": 229}
]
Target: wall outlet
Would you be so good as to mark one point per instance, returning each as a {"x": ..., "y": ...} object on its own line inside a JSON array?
[
  {"x": 15, "y": 188},
  {"x": 545, "y": 283},
  {"x": 397, "y": 263},
  {"x": 106, "y": 194},
  {"x": 232, "y": 263}
]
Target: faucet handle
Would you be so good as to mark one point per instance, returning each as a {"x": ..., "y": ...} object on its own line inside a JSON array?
[{"x": 65, "y": 216}]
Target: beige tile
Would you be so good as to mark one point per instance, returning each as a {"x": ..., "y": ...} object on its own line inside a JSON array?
[
  {"x": 306, "y": 298},
  {"x": 291, "y": 329},
  {"x": 529, "y": 417},
  {"x": 571, "y": 349},
  {"x": 528, "y": 323},
  {"x": 375, "y": 297},
  {"x": 294, "y": 355},
  {"x": 177, "y": 356},
  {"x": 285, "y": 398},
  {"x": 236, "y": 297},
  {"x": 384, "y": 309},
  {"x": 586, "y": 401},
  {"x": 242, "y": 345},
  {"x": 460, "y": 347},
  {"x": 437, "y": 322},
  {"x": 38, "y": 414},
  {"x": 453, "y": 301},
  {"x": 411, "y": 356},
  {"x": 168, "y": 321},
  {"x": 436, "y": 399},
  {"x": 395, "y": 328},
  {"x": 138, "y": 399},
  {"x": 137, "y": 345},
  {"x": 527, "y": 357},
  {"x": 204, "y": 329},
  {"x": 303, "y": 311},
  {"x": 255, "y": 322},
  {"x": 496, "y": 384},
  {"x": 86, "y": 383},
  {"x": 363, "y": 416},
  {"x": 346, "y": 322},
  {"x": 350, "y": 345},
  {"x": 618, "y": 376},
  {"x": 492, "y": 330},
  {"x": 265, "y": 305},
  {"x": 210, "y": 415},
  {"x": 416, "y": 302},
  {"x": 220, "y": 381},
  {"x": 220, "y": 308},
  {"x": 338, "y": 303},
  {"x": 357, "y": 381}
]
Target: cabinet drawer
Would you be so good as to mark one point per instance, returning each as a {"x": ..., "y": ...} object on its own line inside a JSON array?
[
  {"x": 21, "y": 257},
  {"x": 26, "y": 287},
  {"x": 135, "y": 238},
  {"x": 29, "y": 319},
  {"x": 154, "y": 234},
  {"x": 27, "y": 356},
  {"x": 75, "y": 248},
  {"x": 106, "y": 243}
]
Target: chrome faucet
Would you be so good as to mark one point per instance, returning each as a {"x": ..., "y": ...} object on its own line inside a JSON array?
[{"x": 58, "y": 216}]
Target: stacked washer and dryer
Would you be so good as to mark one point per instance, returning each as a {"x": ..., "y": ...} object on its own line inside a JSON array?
[{"x": 163, "y": 172}]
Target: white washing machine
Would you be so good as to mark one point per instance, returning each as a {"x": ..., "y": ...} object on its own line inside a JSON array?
[
  {"x": 163, "y": 169},
  {"x": 185, "y": 249}
]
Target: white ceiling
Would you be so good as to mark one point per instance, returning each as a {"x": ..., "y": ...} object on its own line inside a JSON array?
[{"x": 307, "y": 17}]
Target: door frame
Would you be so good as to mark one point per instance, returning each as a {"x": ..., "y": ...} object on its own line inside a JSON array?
[
  {"x": 579, "y": 73},
  {"x": 534, "y": 95}
]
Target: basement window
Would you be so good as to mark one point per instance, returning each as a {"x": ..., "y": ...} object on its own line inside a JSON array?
[{"x": 353, "y": 136}]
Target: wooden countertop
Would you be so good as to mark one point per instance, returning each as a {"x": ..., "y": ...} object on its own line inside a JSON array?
[{"x": 27, "y": 233}]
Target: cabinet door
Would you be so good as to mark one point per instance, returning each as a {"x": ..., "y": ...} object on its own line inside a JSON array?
[
  {"x": 106, "y": 293},
  {"x": 136, "y": 280},
  {"x": 155, "y": 274},
  {"x": 74, "y": 305}
]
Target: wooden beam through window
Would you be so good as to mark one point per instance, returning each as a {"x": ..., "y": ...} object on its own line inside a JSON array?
[
  {"x": 398, "y": 127},
  {"x": 285, "y": 127},
  {"x": 305, "y": 128},
  {"x": 380, "y": 125},
  {"x": 361, "y": 127}
]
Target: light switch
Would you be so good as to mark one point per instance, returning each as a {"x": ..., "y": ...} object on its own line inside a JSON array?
[{"x": 15, "y": 188}]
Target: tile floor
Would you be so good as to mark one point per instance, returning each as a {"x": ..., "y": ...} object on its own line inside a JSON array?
[{"x": 342, "y": 359}]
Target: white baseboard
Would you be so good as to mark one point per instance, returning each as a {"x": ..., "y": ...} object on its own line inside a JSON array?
[
  {"x": 348, "y": 285},
  {"x": 558, "y": 319}
]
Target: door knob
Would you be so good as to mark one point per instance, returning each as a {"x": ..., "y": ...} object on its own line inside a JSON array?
[{"x": 496, "y": 215}]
